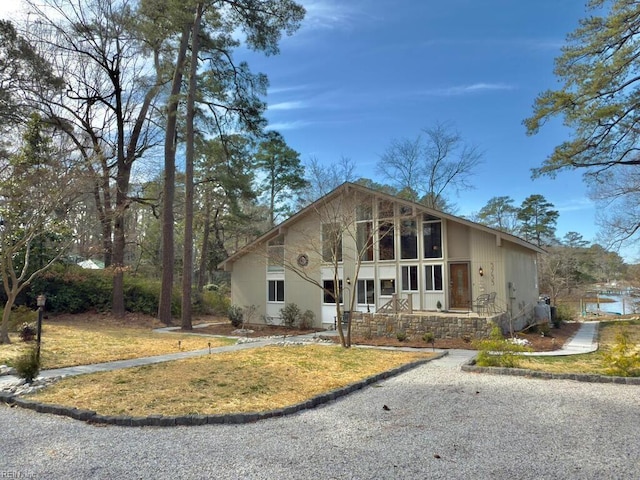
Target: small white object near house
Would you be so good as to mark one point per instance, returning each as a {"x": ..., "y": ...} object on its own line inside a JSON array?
[{"x": 89, "y": 264}]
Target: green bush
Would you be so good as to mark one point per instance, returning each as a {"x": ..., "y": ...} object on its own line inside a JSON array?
[
  {"x": 428, "y": 337},
  {"x": 564, "y": 313},
  {"x": 495, "y": 351},
  {"x": 622, "y": 359},
  {"x": 71, "y": 289},
  {"x": 27, "y": 365},
  {"x": 290, "y": 315},
  {"x": 401, "y": 336},
  {"x": 235, "y": 315}
]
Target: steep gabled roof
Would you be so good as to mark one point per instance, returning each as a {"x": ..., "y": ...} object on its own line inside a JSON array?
[{"x": 347, "y": 186}]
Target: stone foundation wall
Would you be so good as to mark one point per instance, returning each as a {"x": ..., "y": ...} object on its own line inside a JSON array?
[{"x": 442, "y": 325}]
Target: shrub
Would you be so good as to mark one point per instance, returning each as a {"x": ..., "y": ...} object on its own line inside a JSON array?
[
  {"x": 495, "y": 351},
  {"x": 290, "y": 315},
  {"x": 215, "y": 302},
  {"x": 401, "y": 335},
  {"x": 235, "y": 315},
  {"x": 27, "y": 331},
  {"x": 622, "y": 359},
  {"x": 307, "y": 319},
  {"x": 564, "y": 313},
  {"x": 27, "y": 365},
  {"x": 428, "y": 337}
]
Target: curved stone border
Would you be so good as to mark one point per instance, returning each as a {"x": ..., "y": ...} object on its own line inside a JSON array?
[
  {"x": 523, "y": 372},
  {"x": 90, "y": 416}
]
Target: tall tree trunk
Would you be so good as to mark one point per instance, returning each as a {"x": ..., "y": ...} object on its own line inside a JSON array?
[
  {"x": 164, "y": 307},
  {"x": 204, "y": 250},
  {"x": 187, "y": 263}
]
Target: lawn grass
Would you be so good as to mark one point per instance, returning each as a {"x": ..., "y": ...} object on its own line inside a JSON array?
[
  {"x": 69, "y": 343},
  {"x": 252, "y": 380},
  {"x": 591, "y": 363}
]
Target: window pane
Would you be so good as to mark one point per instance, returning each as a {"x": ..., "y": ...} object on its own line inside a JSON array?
[
  {"x": 272, "y": 290},
  {"x": 364, "y": 212},
  {"x": 408, "y": 239},
  {"x": 386, "y": 244},
  {"x": 428, "y": 277},
  {"x": 432, "y": 233},
  {"x": 362, "y": 291},
  {"x": 364, "y": 241},
  {"x": 331, "y": 243},
  {"x": 371, "y": 294},
  {"x": 410, "y": 278},
  {"x": 433, "y": 278},
  {"x": 385, "y": 209},
  {"x": 387, "y": 287},
  {"x": 328, "y": 292},
  {"x": 437, "y": 277}
]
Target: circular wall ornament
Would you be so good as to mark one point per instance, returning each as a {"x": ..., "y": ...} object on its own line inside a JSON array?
[{"x": 303, "y": 260}]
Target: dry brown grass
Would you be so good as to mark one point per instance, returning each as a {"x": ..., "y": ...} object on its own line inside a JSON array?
[
  {"x": 592, "y": 363},
  {"x": 245, "y": 381},
  {"x": 85, "y": 340}
]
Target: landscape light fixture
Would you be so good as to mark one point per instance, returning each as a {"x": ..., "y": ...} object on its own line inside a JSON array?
[{"x": 40, "y": 302}]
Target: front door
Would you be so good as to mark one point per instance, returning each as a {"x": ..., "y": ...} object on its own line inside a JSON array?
[{"x": 459, "y": 291}]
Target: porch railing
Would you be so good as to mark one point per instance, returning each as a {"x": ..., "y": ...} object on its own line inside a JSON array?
[{"x": 397, "y": 305}]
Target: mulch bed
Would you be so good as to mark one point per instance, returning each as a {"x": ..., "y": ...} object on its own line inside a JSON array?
[{"x": 539, "y": 343}]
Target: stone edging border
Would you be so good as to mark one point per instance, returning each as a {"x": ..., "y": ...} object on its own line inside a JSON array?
[
  {"x": 523, "y": 372},
  {"x": 90, "y": 416}
]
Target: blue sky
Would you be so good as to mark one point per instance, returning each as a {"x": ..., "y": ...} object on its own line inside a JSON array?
[{"x": 361, "y": 73}]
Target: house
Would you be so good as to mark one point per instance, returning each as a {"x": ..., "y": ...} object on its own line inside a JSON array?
[{"x": 383, "y": 251}]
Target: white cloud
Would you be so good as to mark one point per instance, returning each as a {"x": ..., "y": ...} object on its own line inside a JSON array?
[
  {"x": 468, "y": 89},
  {"x": 294, "y": 105},
  {"x": 282, "y": 126},
  {"x": 327, "y": 14}
]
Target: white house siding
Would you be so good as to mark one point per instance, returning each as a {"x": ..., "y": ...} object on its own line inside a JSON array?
[
  {"x": 489, "y": 256},
  {"x": 248, "y": 282}
]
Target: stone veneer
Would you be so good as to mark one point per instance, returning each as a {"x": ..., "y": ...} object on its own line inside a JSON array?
[{"x": 441, "y": 324}]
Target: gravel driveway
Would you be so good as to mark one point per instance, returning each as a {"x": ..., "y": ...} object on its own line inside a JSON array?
[{"x": 441, "y": 423}]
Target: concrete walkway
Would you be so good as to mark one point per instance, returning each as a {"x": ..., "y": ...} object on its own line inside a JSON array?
[{"x": 584, "y": 341}]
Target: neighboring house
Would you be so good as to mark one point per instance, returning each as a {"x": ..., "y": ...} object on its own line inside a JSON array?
[{"x": 379, "y": 247}]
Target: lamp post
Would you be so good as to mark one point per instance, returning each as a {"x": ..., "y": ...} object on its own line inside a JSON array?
[{"x": 40, "y": 301}]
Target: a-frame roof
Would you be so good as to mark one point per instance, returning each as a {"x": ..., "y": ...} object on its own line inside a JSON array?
[{"x": 348, "y": 186}]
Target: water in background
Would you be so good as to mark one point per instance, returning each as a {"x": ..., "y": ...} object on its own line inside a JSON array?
[{"x": 620, "y": 305}]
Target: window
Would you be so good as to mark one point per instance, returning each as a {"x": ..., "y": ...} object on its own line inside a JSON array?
[
  {"x": 386, "y": 244},
  {"x": 408, "y": 239},
  {"x": 432, "y": 234},
  {"x": 364, "y": 212},
  {"x": 328, "y": 292},
  {"x": 387, "y": 287},
  {"x": 364, "y": 240},
  {"x": 385, "y": 209},
  {"x": 433, "y": 278},
  {"x": 276, "y": 291},
  {"x": 331, "y": 243},
  {"x": 406, "y": 211},
  {"x": 366, "y": 292},
  {"x": 410, "y": 278},
  {"x": 275, "y": 253}
]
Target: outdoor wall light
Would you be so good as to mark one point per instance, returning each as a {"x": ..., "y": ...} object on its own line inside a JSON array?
[
  {"x": 481, "y": 271},
  {"x": 348, "y": 280}
]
